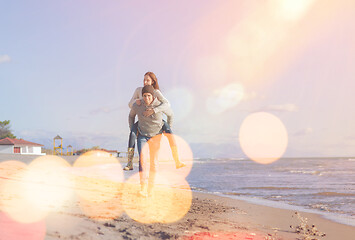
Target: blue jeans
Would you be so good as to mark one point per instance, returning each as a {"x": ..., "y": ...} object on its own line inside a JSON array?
[
  {"x": 134, "y": 132},
  {"x": 153, "y": 146},
  {"x": 133, "y": 136}
]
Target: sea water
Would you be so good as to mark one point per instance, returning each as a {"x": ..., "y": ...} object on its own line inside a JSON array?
[{"x": 320, "y": 185}]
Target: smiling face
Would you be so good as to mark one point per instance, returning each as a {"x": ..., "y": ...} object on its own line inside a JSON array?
[
  {"x": 147, "y": 80},
  {"x": 148, "y": 98}
]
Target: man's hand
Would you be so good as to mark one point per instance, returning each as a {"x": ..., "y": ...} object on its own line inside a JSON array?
[
  {"x": 148, "y": 112},
  {"x": 138, "y": 102}
]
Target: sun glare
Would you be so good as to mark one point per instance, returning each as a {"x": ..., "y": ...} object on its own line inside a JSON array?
[
  {"x": 15, "y": 200},
  {"x": 263, "y": 137},
  {"x": 261, "y": 44},
  {"x": 293, "y": 10}
]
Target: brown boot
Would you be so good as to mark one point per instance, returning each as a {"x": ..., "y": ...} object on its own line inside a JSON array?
[
  {"x": 178, "y": 163},
  {"x": 130, "y": 154}
]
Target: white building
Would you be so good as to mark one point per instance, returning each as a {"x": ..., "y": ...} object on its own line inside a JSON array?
[{"x": 20, "y": 146}]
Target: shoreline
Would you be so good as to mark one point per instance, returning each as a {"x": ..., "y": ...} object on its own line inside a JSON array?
[
  {"x": 267, "y": 218},
  {"x": 337, "y": 218}
]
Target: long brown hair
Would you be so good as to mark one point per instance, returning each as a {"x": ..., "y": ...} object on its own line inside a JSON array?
[{"x": 154, "y": 78}]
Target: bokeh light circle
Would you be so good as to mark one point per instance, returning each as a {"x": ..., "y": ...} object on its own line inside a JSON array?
[
  {"x": 150, "y": 209},
  {"x": 99, "y": 180},
  {"x": 15, "y": 201},
  {"x": 9, "y": 172},
  {"x": 161, "y": 147},
  {"x": 263, "y": 137},
  {"x": 28, "y": 193},
  {"x": 48, "y": 182},
  {"x": 181, "y": 197},
  {"x": 8, "y": 169},
  {"x": 98, "y": 176}
]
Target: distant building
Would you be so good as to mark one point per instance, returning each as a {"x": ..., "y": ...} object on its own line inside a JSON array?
[
  {"x": 20, "y": 146},
  {"x": 113, "y": 153}
]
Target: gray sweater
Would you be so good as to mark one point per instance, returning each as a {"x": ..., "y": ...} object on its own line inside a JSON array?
[
  {"x": 149, "y": 126},
  {"x": 164, "y": 106}
]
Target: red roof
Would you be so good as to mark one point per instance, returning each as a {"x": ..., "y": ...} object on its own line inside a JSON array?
[{"x": 17, "y": 142}]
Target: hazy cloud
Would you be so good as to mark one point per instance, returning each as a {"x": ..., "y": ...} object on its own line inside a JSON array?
[
  {"x": 212, "y": 150},
  {"x": 350, "y": 139},
  {"x": 225, "y": 98},
  {"x": 250, "y": 96},
  {"x": 103, "y": 110},
  {"x": 304, "y": 132},
  {"x": 280, "y": 108},
  {"x": 4, "y": 58}
]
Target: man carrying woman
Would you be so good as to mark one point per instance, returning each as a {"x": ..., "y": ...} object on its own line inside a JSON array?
[
  {"x": 148, "y": 127},
  {"x": 161, "y": 105}
]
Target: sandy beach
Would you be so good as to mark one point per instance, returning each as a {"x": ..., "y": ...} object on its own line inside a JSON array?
[{"x": 208, "y": 217}]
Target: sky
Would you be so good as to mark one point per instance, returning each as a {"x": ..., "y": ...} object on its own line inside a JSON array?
[{"x": 71, "y": 67}]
